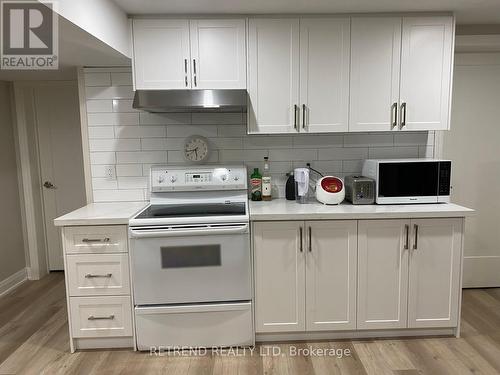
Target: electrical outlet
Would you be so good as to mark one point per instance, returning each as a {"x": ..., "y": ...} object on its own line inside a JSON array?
[{"x": 110, "y": 172}]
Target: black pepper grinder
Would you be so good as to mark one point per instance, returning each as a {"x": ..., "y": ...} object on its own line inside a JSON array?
[{"x": 290, "y": 187}]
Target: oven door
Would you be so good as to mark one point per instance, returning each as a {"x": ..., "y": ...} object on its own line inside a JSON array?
[{"x": 191, "y": 264}]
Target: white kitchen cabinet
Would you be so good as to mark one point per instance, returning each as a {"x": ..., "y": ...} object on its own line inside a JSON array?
[
  {"x": 426, "y": 72},
  {"x": 189, "y": 54},
  {"x": 218, "y": 53},
  {"x": 324, "y": 74},
  {"x": 273, "y": 75},
  {"x": 434, "y": 275},
  {"x": 382, "y": 273},
  {"x": 331, "y": 274},
  {"x": 161, "y": 54},
  {"x": 279, "y": 276},
  {"x": 375, "y": 69}
]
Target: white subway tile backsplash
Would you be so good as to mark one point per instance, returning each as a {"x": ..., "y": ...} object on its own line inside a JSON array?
[
  {"x": 99, "y": 106},
  {"x": 131, "y": 141},
  {"x": 140, "y": 131}
]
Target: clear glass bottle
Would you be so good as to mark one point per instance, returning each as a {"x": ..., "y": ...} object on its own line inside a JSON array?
[{"x": 266, "y": 181}]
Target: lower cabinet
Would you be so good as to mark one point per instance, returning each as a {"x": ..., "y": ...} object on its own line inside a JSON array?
[
  {"x": 305, "y": 275},
  {"x": 337, "y": 275}
]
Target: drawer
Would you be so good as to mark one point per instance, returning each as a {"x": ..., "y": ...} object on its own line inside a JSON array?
[
  {"x": 101, "y": 316},
  {"x": 205, "y": 325},
  {"x": 96, "y": 239},
  {"x": 98, "y": 274}
]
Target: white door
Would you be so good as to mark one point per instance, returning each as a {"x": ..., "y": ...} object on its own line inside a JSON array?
[
  {"x": 435, "y": 264},
  {"x": 426, "y": 71},
  {"x": 375, "y": 68},
  {"x": 218, "y": 53},
  {"x": 161, "y": 54},
  {"x": 57, "y": 122},
  {"x": 324, "y": 74},
  {"x": 273, "y": 75},
  {"x": 382, "y": 273},
  {"x": 279, "y": 276},
  {"x": 331, "y": 261}
]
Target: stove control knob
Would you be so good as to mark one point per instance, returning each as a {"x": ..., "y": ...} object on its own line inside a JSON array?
[
  {"x": 173, "y": 178},
  {"x": 223, "y": 177},
  {"x": 236, "y": 178},
  {"x": 161, "y": 179}
]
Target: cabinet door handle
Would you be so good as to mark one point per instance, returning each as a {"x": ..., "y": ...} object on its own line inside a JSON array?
[
  {"x": 295, "y": 107},
  {"x": 304, "y": 116},
  {"x": 91, "y": 240},
  {"x": 186, "y": 72},
  {"x": 301, "y": 248},
  {"x": 109, "y": 317},
  {"x": 94, "y": 276},
  {"x": 415, "y": 243},
  {"x": 310, "y": 240},
  {"x": 407, "y": 240},
  {"x": 194, "y": 73},
  {"x": 394, "y": 115},
  {"x": 403, "y": 115}
]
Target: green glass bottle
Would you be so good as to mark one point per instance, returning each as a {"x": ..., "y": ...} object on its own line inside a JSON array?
[{"x": 256, "y": 185}]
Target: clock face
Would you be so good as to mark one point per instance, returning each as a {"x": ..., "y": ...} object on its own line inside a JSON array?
[{"x": 196, "y": 149}]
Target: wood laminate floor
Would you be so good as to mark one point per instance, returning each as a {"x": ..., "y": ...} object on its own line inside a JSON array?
[{"x": 34, "y": 340}]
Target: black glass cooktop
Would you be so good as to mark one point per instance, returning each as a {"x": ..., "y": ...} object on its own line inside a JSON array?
[{"x": 192, "y": 210}]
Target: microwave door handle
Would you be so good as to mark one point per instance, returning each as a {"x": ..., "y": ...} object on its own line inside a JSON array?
[{"x": 138, "y": 233}]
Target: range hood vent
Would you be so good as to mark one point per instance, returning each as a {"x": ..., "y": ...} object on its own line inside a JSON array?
[{"x": 163, "y": 101}]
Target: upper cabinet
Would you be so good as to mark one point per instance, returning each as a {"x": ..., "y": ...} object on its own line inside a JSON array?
[
  {"x": 426, "y": 72},
  {"x": 375, "y": 65},
  {"x": 401, "y": 69},
  {"x": 298, "y": 75},
  {"x": 273, "y": 75},
  {"x": 189, "y": 54}
]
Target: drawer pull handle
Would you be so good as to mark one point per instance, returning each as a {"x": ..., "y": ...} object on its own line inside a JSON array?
[
  {"x": 109, "y": 317},
  {"x": 92, "y": 276},
  {"x": 89, "y": 240}
]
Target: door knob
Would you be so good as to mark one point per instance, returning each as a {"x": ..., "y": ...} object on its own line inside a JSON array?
[{"x": 48, "y": 185}]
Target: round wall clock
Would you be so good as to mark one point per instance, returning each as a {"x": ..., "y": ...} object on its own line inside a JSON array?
[{"x": 196, "y": 149}]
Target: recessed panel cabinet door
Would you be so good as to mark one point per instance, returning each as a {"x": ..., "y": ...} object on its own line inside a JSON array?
[
  {"x": 331, "y": 273},
  {"x": 382, "y": 273},
  {"x": 324, "y": 74},
  {"x": 218, "y": 54},
  {"x": 161, "y": 54},
  {"x": 434, "y": 289},
  {"x": 279, "y": 276},
  {"x": 273, "y": 75},
  {"x": 426, "y": 71},
  {"x": 375, "y": 68}
]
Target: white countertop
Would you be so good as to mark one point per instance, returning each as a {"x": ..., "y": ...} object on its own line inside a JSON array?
[
  {"x": 101, "y": 214},
  {"x": 281, "y": 209}
]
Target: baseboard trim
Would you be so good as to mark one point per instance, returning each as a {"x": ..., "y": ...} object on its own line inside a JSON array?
[{"x": 13, "y": 281}]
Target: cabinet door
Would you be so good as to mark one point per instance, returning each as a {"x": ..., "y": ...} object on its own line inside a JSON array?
[
  {"x": 382, "y": 273},
  {"x": 375, "y": 68},
  {"x": 273, "y": 75},
  {"x": 426, "y": 70},
  {"x": 279, "y": 276},
  {"x": 324, "y": 74},
  {"x": 331, "y": 262},
  {"x": 218, "y": 54},
  {"x": 435, "y": 262},
  {"x": 161, "y": 54}
]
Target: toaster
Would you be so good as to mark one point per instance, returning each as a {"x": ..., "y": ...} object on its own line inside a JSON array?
[{"x": 359, "y": 189}]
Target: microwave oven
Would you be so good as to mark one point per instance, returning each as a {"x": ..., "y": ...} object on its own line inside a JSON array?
[{"x": 403, "y": 181}]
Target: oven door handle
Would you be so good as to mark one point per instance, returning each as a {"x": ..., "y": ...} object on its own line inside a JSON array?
[{"x": 173, "y": 232}]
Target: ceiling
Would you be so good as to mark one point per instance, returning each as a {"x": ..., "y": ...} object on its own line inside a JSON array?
[{"x": 467, "y": 11}]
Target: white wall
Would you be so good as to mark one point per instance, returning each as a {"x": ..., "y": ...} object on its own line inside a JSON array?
[
  {"x": 473, "y": 145},
  {"x": 130, "y": 141},
  {"x": 12, "y": 257}
]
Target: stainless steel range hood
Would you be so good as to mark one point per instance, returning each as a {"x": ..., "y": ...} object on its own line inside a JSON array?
[{"x": 191, "y": 100}]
